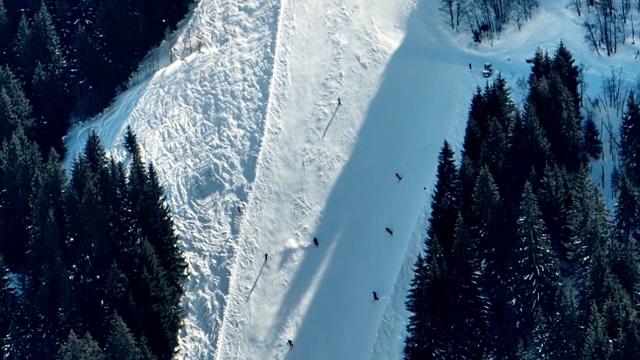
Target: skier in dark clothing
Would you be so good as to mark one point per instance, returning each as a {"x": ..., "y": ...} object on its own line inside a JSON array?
[
  {"x": 375, "y": 296},
  {"x": 290, "y": 344},
  {"x": 266, "y": 257},
  {"x": 315, "y": 242},
  {"x": 389, "y": 231},
  {"x": 399, "y": 177},
  {"x": 339, "y": 102}
]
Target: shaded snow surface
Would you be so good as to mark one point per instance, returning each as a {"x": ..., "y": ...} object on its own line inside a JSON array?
[{"x": 239, "y": 109}]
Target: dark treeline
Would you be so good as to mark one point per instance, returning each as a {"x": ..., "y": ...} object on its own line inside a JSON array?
[
  {"x": 89, "y": 262},
  {"x": 486, "y": 19},
  {"x": 522, "y": 259},
  {"x": 63, "y": 59}
]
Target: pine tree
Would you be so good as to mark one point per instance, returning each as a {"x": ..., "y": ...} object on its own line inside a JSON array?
[
  {"x": 75, "y": 348},
  {"x": 120, "y": 344},
  {"x": 158, "y": 314},
  {"x": 536, "y": 268},
  {"x": 159, "y": 230},
  {"x": 557, "y": 336},
  {"x": 619, "y": 314},
  {"x": 15, "y": 109},
  {"x": 553, "y": 196},
  {"x": 592, "y": 139},
  {"x": 588, "y": 220},
  {"x": 445, "y": 201},
  {"x": 19, "y": 160},
  {"x": 495, "y": 252},
  {"x": 596, "y": 344},
  {"x": 5, "y": 28},
  {"x": 553, "y": 93},
  {"x": 626, "y": 209},
  {"x": 22, "y": 51},
  {"x": 469, "y": 301},
  {"x": 563, "y": 65},
  {"x": 630, "y": 140},
  {"x": 540, "y": 69},
  {"x": 476, "y": 126},
  {"x": 49, "y": 92},
  {"x": 429, "y": 300},
  {"x": 529, "y": 150}
]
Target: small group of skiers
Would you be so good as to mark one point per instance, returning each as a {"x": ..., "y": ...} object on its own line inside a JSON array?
[{"x": 317, "y": 244}]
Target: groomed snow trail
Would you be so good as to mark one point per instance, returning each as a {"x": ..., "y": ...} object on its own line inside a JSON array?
[{"x": 327, "y": 171}]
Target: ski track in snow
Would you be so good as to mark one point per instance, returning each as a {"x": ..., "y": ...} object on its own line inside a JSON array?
[{"x": 243, "y": 113}]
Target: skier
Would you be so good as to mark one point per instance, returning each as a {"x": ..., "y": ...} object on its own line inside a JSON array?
[
  {"x": 266, "y": 257},
  {"x": 239, "y": 209},
  {"x": 375, "y": 296},
  {"x": 399, "y": 177},
  {"x": 339, "y": 102},
  {"x": 290, "y": 343},
  {"x": 315, "y": 242},
  {"x": 389, "y": 231},
  {"x": 470, "y": 66}
]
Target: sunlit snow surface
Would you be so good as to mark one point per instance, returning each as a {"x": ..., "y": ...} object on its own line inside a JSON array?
[{"x": 239, "y": 113}]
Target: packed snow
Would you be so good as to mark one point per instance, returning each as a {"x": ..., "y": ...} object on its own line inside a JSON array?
[{"x": 239, "y": 112}]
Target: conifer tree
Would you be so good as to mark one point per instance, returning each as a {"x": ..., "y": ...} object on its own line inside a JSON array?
[
  {"x": 5, "y": 28},
  {"x": 469, "y": 301},
  {"x": 553, "y": 200},
  {"x": 19, "y": 160},
  {"x": 159, "y": 229},
  {"x": 430, "y": 327},
  {"x": 158, "y": 313},
  {"x": 536, "y": 268},
  {"x": 588, "y": 220},
  {"x": 120, "y": 344},
  {"x": 75, "y": 348},
  {"x": 445, "y": 201},
  {"x": 22, "y": 52},
  {"x": 529, "y": 150},
  {"x": 15, "y": 109},
  {"x": 563, "y": 65},
  {"x": 495, "y": 252},
  {"x": 592, "y": 139},
  {"x": 596, "y": 343},
  {"x": 630, "y": 140}
]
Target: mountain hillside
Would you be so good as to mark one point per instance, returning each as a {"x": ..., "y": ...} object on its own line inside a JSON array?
[{"x": 258, "y": 156}]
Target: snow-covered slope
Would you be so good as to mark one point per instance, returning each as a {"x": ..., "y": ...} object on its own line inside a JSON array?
[{"x": 243, "y": 123}]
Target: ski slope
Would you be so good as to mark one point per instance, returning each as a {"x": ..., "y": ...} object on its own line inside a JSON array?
[{"x": 241, "y": 118}]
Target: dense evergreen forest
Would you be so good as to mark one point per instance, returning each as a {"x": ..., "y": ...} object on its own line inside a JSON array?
[
  {"x": 522, "y": 258},
  {"x": 89, "y": 262}
]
